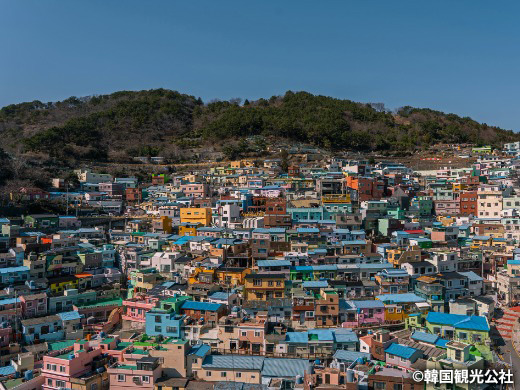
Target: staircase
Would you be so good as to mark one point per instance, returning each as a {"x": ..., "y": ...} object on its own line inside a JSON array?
[{"x": 506, "y": 323}]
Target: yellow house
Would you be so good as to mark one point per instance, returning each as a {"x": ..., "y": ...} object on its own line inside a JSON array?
[
  {"x": 446, "y": 221},
  {"x": 232, "y": 276},
  {"x": 63, "y": 283},
  {"x": 202, "y": 275},
  {"x": 399, "y": 306},
  {"x": 188, "y": 229},
  {"x": 481, "y": 241},
  {"x": 264, "y": 287},
  {"x": 396, "y": 257},
  {"x": 196, "y": 215}
]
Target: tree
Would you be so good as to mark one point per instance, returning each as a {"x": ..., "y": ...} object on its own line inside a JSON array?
[
  {"x": 71, "y": 180},
  {"x": 285, "y": 160}
]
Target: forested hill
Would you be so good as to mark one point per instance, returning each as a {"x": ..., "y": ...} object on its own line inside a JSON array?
[{"x": 150, "y": 122}]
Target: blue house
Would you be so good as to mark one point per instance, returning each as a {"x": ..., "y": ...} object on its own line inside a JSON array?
[
  {"x": 48, "y": 328},
  {"x": 12, "y": 275},
  {"x": 165, "y": 323}
]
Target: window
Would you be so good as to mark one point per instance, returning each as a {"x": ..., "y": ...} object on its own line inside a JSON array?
[
  {"x": 158, "y": 318},
  {"x": 379, "y": 385},
  {"x": 121, "y": 378},
  {"x": 238, "y": 375},
  {"x": 171, "y": 329},
  {"x": 257, "y": 333},
  {"x": 49, "y": 382},
  {"x": 223, "y": 374},
  {"x": 398, "y": 386},
  {"x": 390, "y": 356},
  {"x": 60, "y": 384},
  {"x": 62, "y": 368},
  {"x": 244, "y": 334},
  {"x": 208, "y": 373},
  {"x": 146, "y": 379},
  {"x": 463, "y": 335},
  {"x": 257, "y": 282},
  {"x": 158, "y": 329},
  {"x": 93, "y": 386}
]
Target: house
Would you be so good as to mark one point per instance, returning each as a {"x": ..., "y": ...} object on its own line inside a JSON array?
[
  {"x": 41, "y": 221},
  {"x": 203, "y": 311},
  {"x": 264, "y": 287},
  {"x": 142, "y": 374},
  {"x": 402, "y": 356},
  {"x": 472, "y": 329},
  {"x": 249, "y": 369},
  {"x": 398, "y": 306},
  {"x": 48, "y": 328},
  {"x": 72, "y": 325},
  {"x": 165, "y": 323},
  {"x": 364, "y": 313},
  {"x": 34, "y": 305}
]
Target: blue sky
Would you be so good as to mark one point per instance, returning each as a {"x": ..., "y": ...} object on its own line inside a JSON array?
[{"x": 455, "y": 56}]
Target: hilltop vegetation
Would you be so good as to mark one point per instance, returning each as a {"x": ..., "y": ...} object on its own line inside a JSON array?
[{"x": 163, "y": 122}]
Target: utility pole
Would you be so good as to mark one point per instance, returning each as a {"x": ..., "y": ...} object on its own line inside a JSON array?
[{"x": 67, "y": 199}]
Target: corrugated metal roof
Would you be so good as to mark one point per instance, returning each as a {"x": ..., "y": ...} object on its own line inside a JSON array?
[
  {"x": 285, "y": 368},
  {"x": 343, "y": 335},
  {"x": 69, "y": 315},
  {"x": 315, "y": 284},
  {"x": 231, "y": 362},
  {"x": 199, "y": 350},
  {"x": 322, "y": 334},
  {"x": 459, "y": 321},
  {"x": 273, "y": 263},
  {"x": 308, "y": 230},
  {"x": 193, "y": 305},
  {"x": 297, "y": 337},
  {"x": 350, "y": 356},
  {"x": 400, "y": 298},
  {"x": 424, "y": 337},
  {"x": 368, "y": 304},
  {"x": 400, "y": 350}
]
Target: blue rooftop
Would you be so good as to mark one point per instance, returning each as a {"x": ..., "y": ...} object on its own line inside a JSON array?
[
  {"x": 193, "y": 305},
  {"x": 315, "y": 284},
  {"x": 199, "y": 350},
  {"x": 400, "y": 298},
  {"x": 459, "y": 321},
  {"x": 369, "y": 304},
  {"x": 69, "y": 315},
  {"x": 400, "y": 350},
  {"x": 424, "y": 337},
  {"x": 350, "y": 356}
]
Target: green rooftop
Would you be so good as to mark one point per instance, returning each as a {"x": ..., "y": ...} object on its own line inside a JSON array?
[
  {"x": 101, "y": 303},
  {"x": 59, "y": 345},
  {"x": 127, "y": 367},
  {"x": 107, "y": 341}
]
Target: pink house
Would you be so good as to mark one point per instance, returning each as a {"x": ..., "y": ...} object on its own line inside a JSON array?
[
  {"x": 195, "y": 190},
  {"x": 135, "y": 309},
  {"x": 58, "y": 370},
  {"x": 364, "y": 313},
  {"x": 34, "y": 305},
  {"x": 402, "y": 356},
  {"x": 143, "y": 375}
]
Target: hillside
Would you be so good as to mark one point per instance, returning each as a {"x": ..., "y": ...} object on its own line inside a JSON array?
[{"x": 163, "y": 122}]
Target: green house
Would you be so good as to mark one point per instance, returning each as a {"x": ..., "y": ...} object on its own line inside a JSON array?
[
  {"x": 469, "y": 329},
  {"x": 40, "y": 221}
]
